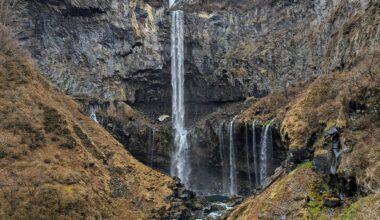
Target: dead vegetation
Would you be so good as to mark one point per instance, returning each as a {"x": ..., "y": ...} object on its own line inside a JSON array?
[
  {"x": 349, "y": 100},
  {"x": 11, "y": 13}
]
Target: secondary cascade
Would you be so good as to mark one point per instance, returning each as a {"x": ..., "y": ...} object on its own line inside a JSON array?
[
  {"x": 233, "y": 181},
  {"x": 265, "y": 152},
  {"x": 93, "y": 109}
]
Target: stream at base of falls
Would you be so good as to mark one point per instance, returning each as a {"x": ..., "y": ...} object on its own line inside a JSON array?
[{"x": 218, "y": 206}]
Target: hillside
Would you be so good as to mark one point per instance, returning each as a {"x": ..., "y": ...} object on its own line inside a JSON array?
[
  {"x": 56, "y": 163},
  {"x": 305, "y": 114}
]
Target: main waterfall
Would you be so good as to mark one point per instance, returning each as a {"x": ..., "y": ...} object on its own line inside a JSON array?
[{"x": 179, "y": 163}]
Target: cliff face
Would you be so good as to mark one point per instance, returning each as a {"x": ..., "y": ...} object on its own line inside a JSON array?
[
  {"x": 274, "y": 44},
  {"x": 102, "y": 51},
  {"x": 120, "y": 50}
]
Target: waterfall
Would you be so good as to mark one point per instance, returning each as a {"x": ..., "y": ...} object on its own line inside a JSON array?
[
  {"x": 152, "y": 143},
  {"x": 335, "y": 157},
  {"x": 233, "y": 182},
  {"x": 255, "y": 155},
  {"x": 265, "y": 150},
  {"x": 179, "y": 165},
  {"x": 223, "y": 159},
  {"x": 247, "y": 155},
  {"x": 93, "y": 109}
]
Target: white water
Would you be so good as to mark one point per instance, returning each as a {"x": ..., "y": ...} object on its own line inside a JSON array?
[
  {"x": 93, "y": 109},
  {"x": 335, "y": 159},
  {"x": 179, "y": 166},
  {"x": 233, "y": 182},
  {"x": 264, "y": 150},
  {"x": 225, "y": 176}
]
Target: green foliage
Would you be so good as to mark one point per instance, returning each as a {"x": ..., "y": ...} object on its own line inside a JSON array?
[
  {"x": 316, "y": 192},
  {"x": 364, "y": 208},
  {"x": 349, "y": 213},
  {"x": 305, "y": 165}
]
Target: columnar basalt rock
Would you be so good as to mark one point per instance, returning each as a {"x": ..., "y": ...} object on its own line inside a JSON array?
[
  {"x": 108, "y": 50},
  {"x": 120, "y": 50},
  {"x": 272, "y": 45}
]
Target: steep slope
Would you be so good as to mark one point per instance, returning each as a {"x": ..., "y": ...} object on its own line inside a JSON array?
[
  {"x": 56, "y": 163},
  {"x": 347, "y": 164},
  {"x": 303, "y": 194}
]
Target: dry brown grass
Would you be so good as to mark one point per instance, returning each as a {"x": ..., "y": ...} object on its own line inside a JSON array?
[
  {"x": 349, "y": 100},
  {"x": 275, "y": 105},
  {"x": 11, "y": 13},
  {"x": 287, "y": 197},
  {"x": 56, "y": 163}
]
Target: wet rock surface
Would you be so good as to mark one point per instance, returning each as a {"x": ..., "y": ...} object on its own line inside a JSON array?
[{"x": 210, "y": 149}]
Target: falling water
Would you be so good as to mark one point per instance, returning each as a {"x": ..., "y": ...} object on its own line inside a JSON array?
[
  {"x": 233, "y": 182},
  {"x": 335, "y": 158},
  {"x": 247, "y": 155},
  {"x": 225, "y": 173},
  {"x": 264, "y": 152},
  {"x": 93, "y": 109},
  {"x": 152, "y": 143},
  {"x": 179, "y": 166},
  {"x": 255, "y": 155}
]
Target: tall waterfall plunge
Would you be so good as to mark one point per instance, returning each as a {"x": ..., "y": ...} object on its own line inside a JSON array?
[{"x": 179, "y": 163}]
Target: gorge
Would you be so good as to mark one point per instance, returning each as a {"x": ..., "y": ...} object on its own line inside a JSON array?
[{"x": 189, "y": 109}]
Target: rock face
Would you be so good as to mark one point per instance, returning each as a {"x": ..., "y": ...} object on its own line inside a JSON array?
[
  {"x": 119, "y": 50},
  {"x": 149, "y": 141},
  {"x": 211, "y": 141},
  {"x": 235, "y": 55},
  {"x": 217, "y": 5},
  {"x": 108, "y": 50}
]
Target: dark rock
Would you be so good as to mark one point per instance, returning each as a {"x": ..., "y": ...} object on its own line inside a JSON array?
[
  {"x": 332, "y": 131},
  {"x": 298, "y": 156},
  {"x": 178, "y": 181},
  {"x": 217, "y": 207},
  {"x": 321, "y": 162}
]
